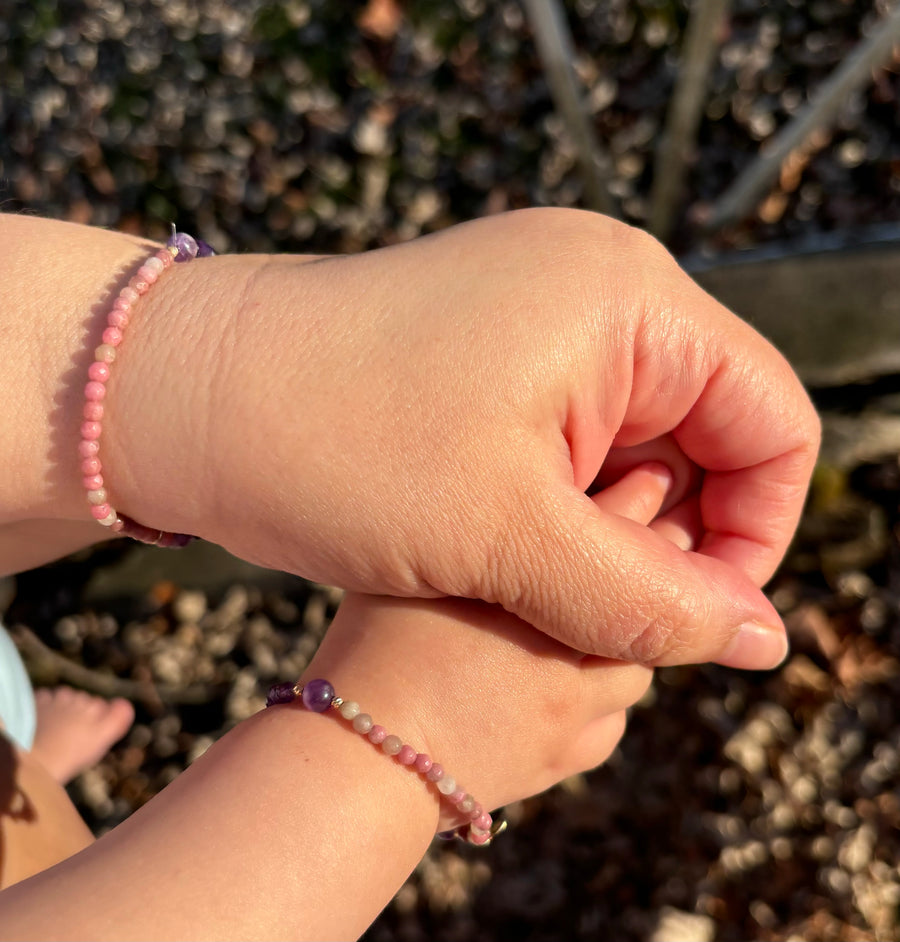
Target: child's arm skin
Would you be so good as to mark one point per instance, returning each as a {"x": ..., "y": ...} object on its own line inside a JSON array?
[
  {"x": 292, "y": 826},
  {"x": 422, "y": 420}
]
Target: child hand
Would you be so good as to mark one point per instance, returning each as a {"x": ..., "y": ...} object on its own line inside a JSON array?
[
  {"x": 290, "y": 809},
  {"x": 507, "y": 710}
]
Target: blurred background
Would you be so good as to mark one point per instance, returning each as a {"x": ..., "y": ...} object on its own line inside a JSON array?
[{"x": 759, "y": 140}]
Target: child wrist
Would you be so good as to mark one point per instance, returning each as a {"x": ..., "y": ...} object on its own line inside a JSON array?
[{"x": 475, "y": 825}]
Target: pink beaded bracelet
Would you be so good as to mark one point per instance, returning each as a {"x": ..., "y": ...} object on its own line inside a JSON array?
[
  {"x": 318, "y": 696},
  {"x": 179, "y": 248}
]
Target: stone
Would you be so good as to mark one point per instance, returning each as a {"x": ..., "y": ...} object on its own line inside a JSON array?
[{"x": 675, "y": 925}]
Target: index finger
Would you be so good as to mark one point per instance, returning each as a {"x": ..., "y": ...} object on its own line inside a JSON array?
[
  {"x": 737, "y": 410},
  {"x": 755, "y": 432}
]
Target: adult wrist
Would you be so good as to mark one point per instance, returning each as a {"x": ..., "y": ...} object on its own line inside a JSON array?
[{"x": 161, "y": 409}]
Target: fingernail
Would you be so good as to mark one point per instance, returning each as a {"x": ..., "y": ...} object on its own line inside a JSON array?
[
  {"x": 757, "y": 647},
  {"x": 662, "y": 473}
]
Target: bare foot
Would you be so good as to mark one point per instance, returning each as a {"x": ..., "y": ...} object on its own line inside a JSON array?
[{"x": 75, "y": 730}]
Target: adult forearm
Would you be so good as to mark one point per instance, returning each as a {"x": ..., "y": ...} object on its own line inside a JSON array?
[
  {"x": 211, "y": 375},
  {"x": 55, "y": 278},
  {"x": 59, "y": 281}
]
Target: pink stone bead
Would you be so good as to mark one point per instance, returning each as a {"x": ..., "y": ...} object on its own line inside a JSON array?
[
  {"x": 118, "y": 526},
  {"x": 377, "y": 734},
  {"x": 91, "y": 430},
  {"x": 129, "y": 294},
  {"x": 423, "y": 763},
  {"x": 406, "y": 755},
  {"x": 100, "y": 511},
  {"x": 94, "y": 390},
  {"x": 92, "y": 411},
  {"x": 482, "y": 820},
  {"x": 93, "y": 482},
  {"x": 87, "y": 449},
  {"x": 138, "y": 285},
  {"x": 457, "y": 796},
  {"x": 479, "y": 839},
  {"x": 112, "y": 336},
  {"x": 105, "y": 353},
  {"x": 91, "y": 466},
  {"x": 154, "y": 263},
  {"x": 122, "y": 304},
  {"x": 145, "y": 273},
  {"x": 117, "y": 318},
  {"x": 99, "y": 372},
  {"x": 165, "y": 256},
  {"x": 435, "y": 773}
]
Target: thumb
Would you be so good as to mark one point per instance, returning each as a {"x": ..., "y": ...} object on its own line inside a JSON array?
[{"x": 607, "y": 585}]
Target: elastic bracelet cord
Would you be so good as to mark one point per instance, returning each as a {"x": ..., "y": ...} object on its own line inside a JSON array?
[
  {"x": 180, "y": 247},
  {"x": 318, "y": 696}
]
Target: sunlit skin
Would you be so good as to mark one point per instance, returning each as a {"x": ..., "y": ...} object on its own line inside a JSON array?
[
  {"x": 538, "y": 411},
  {"x": 425, "y": 420},
  {"x": 280, "y": 830}
]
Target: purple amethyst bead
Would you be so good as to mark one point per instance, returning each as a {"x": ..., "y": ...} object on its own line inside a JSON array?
[
  {"x": 280, "y": 693},
  {"x": 317, "y": 695},
  {"x": 186, "y": 246},
  {"x": 204, "y": 249}
]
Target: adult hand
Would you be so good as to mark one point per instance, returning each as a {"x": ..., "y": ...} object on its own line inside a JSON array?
[
  {"x": 428, "y": 419},
  {"x": 451, "y": 673}
]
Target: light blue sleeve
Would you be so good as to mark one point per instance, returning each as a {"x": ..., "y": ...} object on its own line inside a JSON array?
[{"x": 16, "y": 695}]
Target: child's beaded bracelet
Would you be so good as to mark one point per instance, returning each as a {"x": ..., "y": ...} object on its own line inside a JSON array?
[
  {"x": 318, "y": 696},
  {"x": 179, "y": 248}
]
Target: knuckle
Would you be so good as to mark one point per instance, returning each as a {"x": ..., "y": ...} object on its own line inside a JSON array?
[
  {"x": 669, "y": 617},
  {"x": 653, "y": 640}
]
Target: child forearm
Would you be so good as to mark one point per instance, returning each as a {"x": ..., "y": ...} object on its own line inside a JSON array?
[
  {"x": 288, "y": 828},
  {"x": 295, "y": 826}
]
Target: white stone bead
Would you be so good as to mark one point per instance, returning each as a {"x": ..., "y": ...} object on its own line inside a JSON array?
[
  {"x": 105, "y": 353},
  {"x": 154, "y": 263},
  {"x": 97, "y": 497},
  {"x": 447, "y": 785},
  {"x": 109, "y": 519},
  {"x": 392, "y": 745},
  {"x": 362, "y": 723},
  {"x": 349, "y": 709}
]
